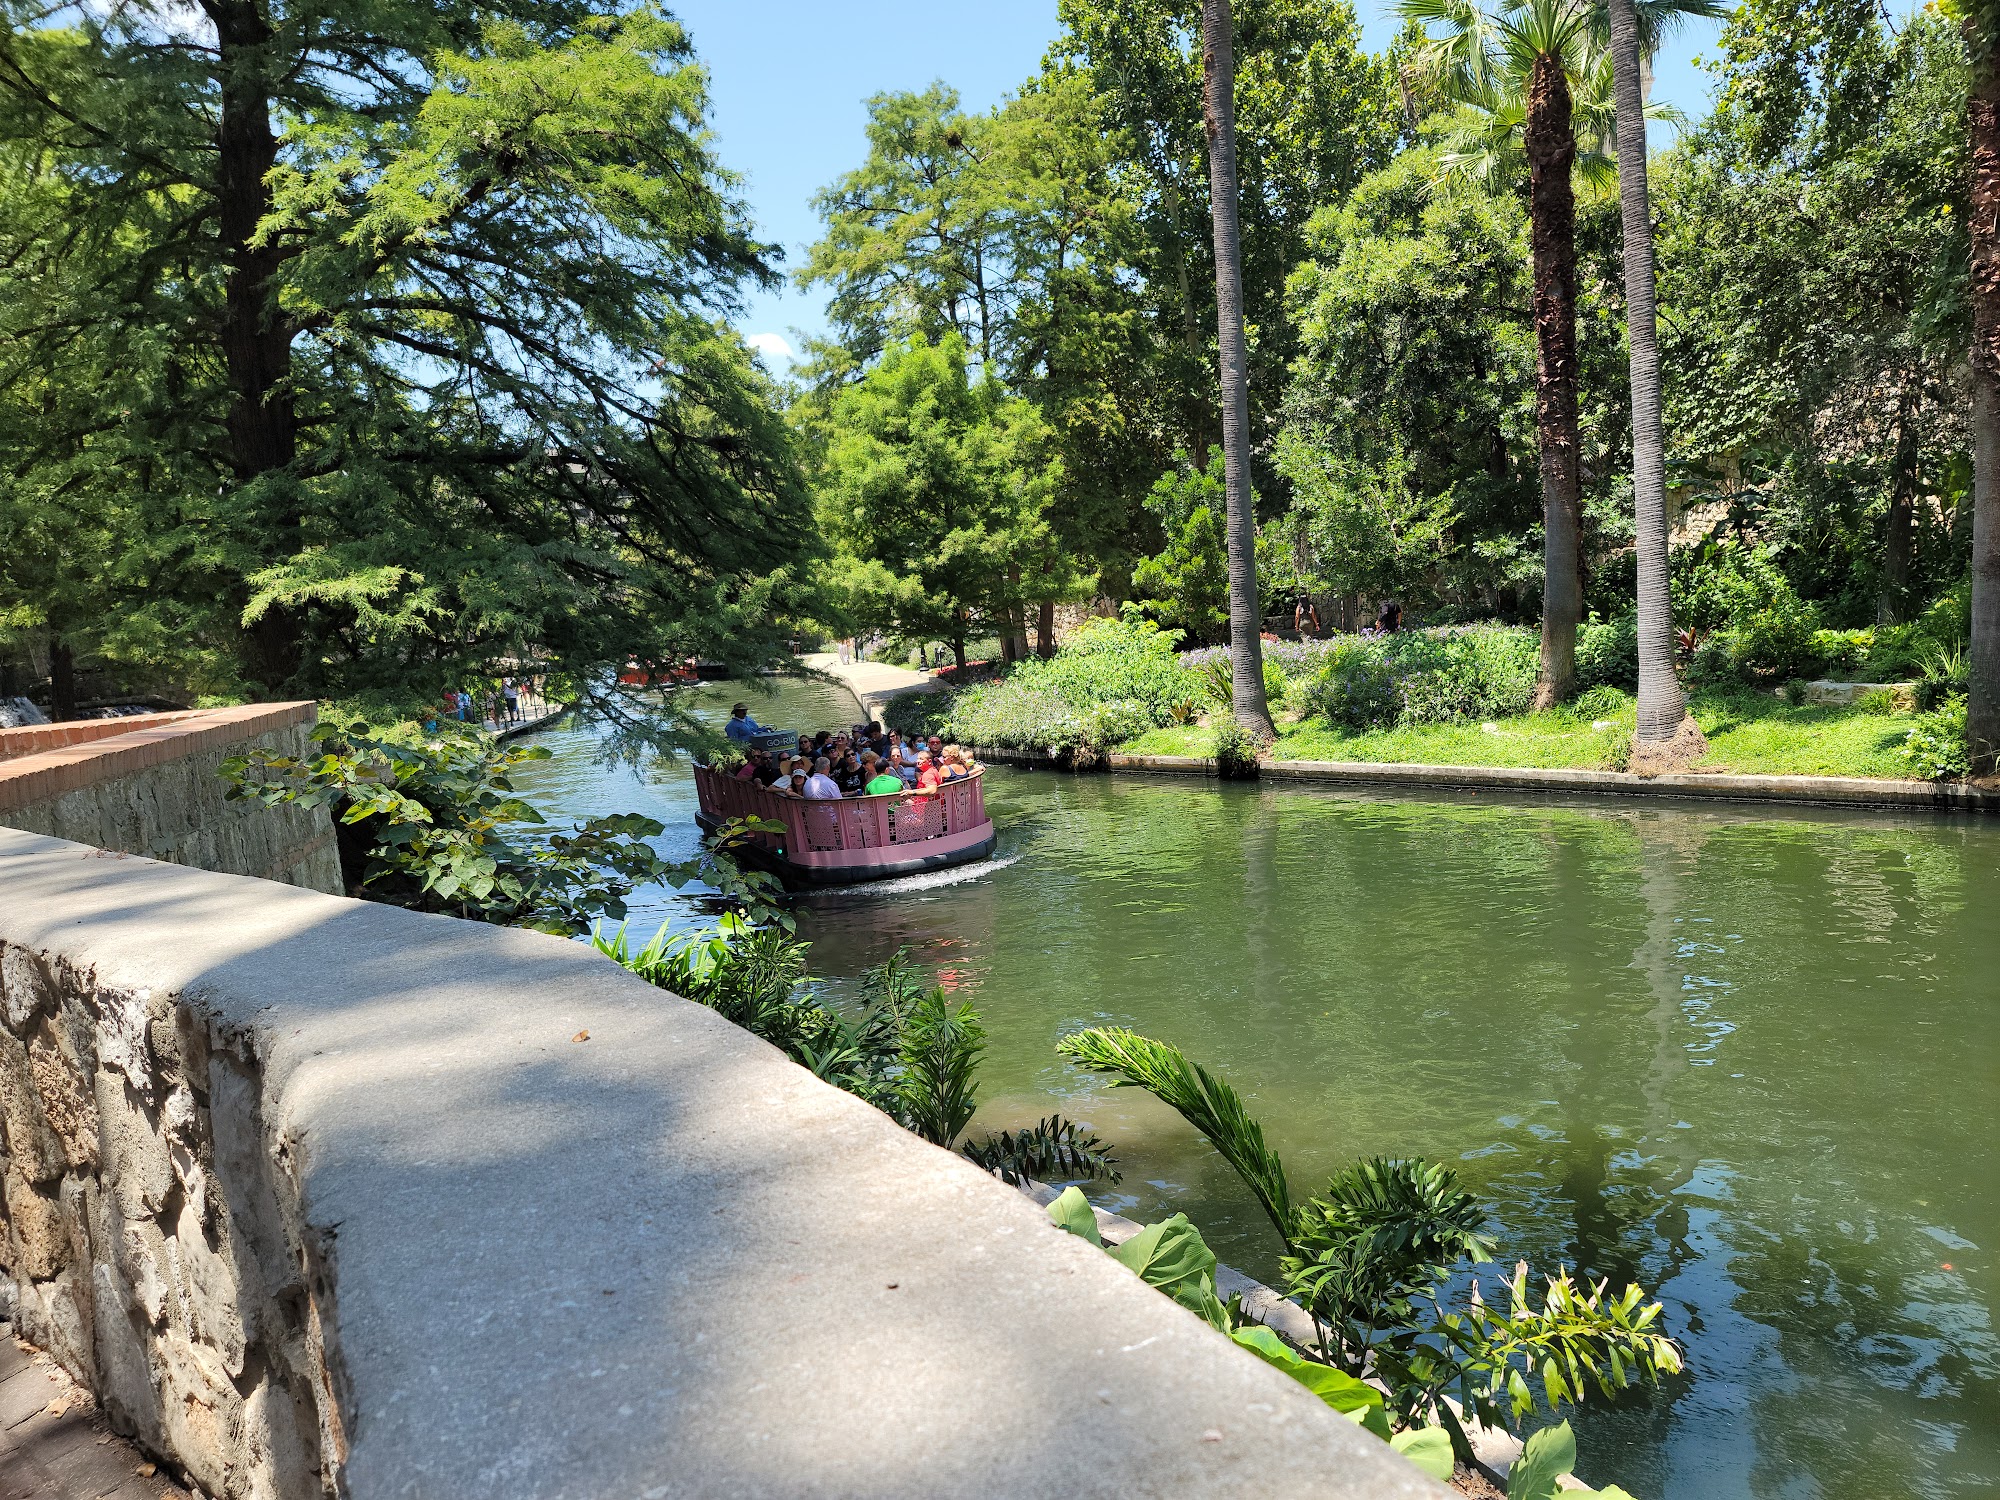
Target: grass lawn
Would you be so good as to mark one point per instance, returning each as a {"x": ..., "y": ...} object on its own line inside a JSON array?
[{"x": 1748, "y": 732}]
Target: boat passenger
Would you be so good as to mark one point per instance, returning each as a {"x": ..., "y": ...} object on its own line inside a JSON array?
[
  {"x": 850, "y": 777},
  {"x": 953, "y": 767},
  {"x": 748, "y": 770},
  {"x": 882, "y": 780},
  {"x": 820, "y": 786},
  {"x": 741, "y": 726},
  {"x": 928, "y": 776}
]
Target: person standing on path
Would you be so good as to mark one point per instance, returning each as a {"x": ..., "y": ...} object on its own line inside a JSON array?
[{"x": 512, "y": 693}]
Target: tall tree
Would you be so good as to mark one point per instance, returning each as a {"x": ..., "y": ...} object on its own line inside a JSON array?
[
  {"x": 1516, "y": 70},
  {"x": 1534, "y": 83},
  {"x": 935, "y": 489},
  {"x": 1662, "y": 704},
  {"x": 1982, "y": 718},
  {"x": 429, "y": 302},
  {"x": 1246, "y": 646}
]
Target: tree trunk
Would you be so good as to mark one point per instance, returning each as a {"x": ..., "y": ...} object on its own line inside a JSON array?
[
  {"x": 256, "y": 345},
  {"x": 1246, "y": 653},
  {"x": 1899, "y": 544},
  {"x": 1550, "y": 140},
  {"x": 1045, "y": 629},
  {"x": 1982, "y": 719},
  {"x": 62, "y": 680},
  {"x": 1662, "y": 704},
  {"x": 958, "y": 652}
]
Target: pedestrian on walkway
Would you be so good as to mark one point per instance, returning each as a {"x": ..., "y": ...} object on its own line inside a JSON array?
[{"x": 512, "y": 694}]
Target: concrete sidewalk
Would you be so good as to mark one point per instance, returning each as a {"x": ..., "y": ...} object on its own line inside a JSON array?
[
  {"x": 54, "y": 1443},
  {"x": 873, "y": 683}
]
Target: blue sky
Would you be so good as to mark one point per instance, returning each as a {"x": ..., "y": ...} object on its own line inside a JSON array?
[{"x": 788, "y": 78}]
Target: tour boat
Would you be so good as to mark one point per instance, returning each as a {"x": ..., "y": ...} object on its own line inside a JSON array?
[{"x": 852, "y": 839}]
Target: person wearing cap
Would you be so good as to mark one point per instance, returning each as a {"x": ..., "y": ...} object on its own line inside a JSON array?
[{"x": 741, "y": 726}]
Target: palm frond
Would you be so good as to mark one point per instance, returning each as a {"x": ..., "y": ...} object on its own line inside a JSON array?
[
  {"x": 941, "y": 1046},
  {"x": 1199, "y": 1097},
  {"x": 1052, "y": 1150}
]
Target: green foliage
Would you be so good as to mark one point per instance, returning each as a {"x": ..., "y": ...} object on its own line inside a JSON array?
[
  {"x": 940, "y": 1048},
  {"x": 1051, "y": 1150},
  {"x": 1356, "y": 689},
  {"x": 433, "y": 823},
  {"x": 1383, "y": 1235},
  {"x": 1235, "y": 749},
  {"x": 1111, "y": 681},
  {"x": 908, "y": 1051},
  {"x": 1371, "y": 1256},
  {"x": 1607, "y": 654},
  {"x": 935, "y": 490},
  {"x": 1575, "y": 1342},
  {"x": 417, "y": 367},
  {"x": 1424, "y": 677},
  {"x": 1185, "y": 586},
  {"x": 1545, "y": 1458},
  {"x": 1936, "y": 747},
  {"x": 1199, "y": 1097}
]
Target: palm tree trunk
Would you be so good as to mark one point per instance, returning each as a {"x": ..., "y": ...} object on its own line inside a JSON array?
[
  {"x": 1662, "y": 705},
  {"x": 1550, "y": 140},
  {"x": 1982, "y": 718},
  {"x": 1246, "y": 653}
]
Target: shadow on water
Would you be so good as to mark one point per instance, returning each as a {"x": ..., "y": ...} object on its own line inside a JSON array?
[{"x": 1744, "y": 1056}]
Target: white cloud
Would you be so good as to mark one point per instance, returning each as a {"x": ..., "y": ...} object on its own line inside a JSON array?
[{"x": 770, "y": 345}]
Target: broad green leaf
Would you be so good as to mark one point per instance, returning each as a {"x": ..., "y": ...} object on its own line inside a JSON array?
[
  {"x": 1072, "y": 1211},
  {"x": 1167, "y": 1255},
  {"x": 1546, "y": 1457},
  {"x": 1429, "y": 1448},
  {"x": 1353, "y": 1398}
]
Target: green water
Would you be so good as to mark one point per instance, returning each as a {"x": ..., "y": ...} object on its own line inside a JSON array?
[{"x": 1746, "y": 1057}]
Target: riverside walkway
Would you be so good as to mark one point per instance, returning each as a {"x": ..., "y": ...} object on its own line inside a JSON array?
[{"x": 873, "y": 683}]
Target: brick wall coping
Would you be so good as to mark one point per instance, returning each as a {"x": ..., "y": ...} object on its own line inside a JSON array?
[{"x": 42, "y": 762}]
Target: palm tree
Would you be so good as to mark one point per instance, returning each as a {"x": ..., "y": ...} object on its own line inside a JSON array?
[
  {"x": 1218, "y": 111},
  {"x": 1982, "y": 716},
  {"x": 1634, "y": 34},
  {"x": 1534, "y": 81}
]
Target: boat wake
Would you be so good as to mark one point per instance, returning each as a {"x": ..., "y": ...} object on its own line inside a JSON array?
[{"x": 904, "y": 885}]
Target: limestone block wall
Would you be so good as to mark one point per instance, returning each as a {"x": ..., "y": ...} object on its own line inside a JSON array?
[
  {"x": 148, "y": 785},
  {"x": 153, "y": 1241},
  {"x": 325, "y": 1197}
]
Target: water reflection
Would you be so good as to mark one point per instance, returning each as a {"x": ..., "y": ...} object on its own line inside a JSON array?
[{"x": 1746, "y": 1057}]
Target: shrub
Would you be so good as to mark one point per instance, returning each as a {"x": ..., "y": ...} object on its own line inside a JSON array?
[
  {"x": 1112, "y": 681},
  {"x": 1942, "y": 671},
  {"x": 1607, "y": 654},
  {"x": 1842, "y": 652},
  {"x": 1935, "y": 747},
  {"x": 1602, "y": 702},
  {"x": 1483, "y": 673},
  {"x": 1356, "y": 690},
  {"x": 1235, "y": 750}
]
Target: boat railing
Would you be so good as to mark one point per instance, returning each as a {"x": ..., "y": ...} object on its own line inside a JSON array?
[{"x": 826, "y": 826}]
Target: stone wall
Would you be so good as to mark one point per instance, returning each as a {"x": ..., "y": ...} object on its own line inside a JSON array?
[
  {"x": 324, "y": 1196},
  {"x": 149, "y": 785}
]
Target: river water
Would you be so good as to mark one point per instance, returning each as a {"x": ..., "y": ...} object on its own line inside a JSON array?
[{"x": 1747, "y": 1057}]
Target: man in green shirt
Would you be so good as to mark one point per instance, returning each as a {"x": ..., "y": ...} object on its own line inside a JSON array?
[{"x": 876, "y": 778}]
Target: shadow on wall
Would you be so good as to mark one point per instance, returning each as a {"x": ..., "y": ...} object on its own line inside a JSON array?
[{"x": 304, "y": 1186}]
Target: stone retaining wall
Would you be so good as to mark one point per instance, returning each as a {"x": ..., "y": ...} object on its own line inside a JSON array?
[
  {"x": 323, "y": 1196},
  {"x": 149, "y": 785}
]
